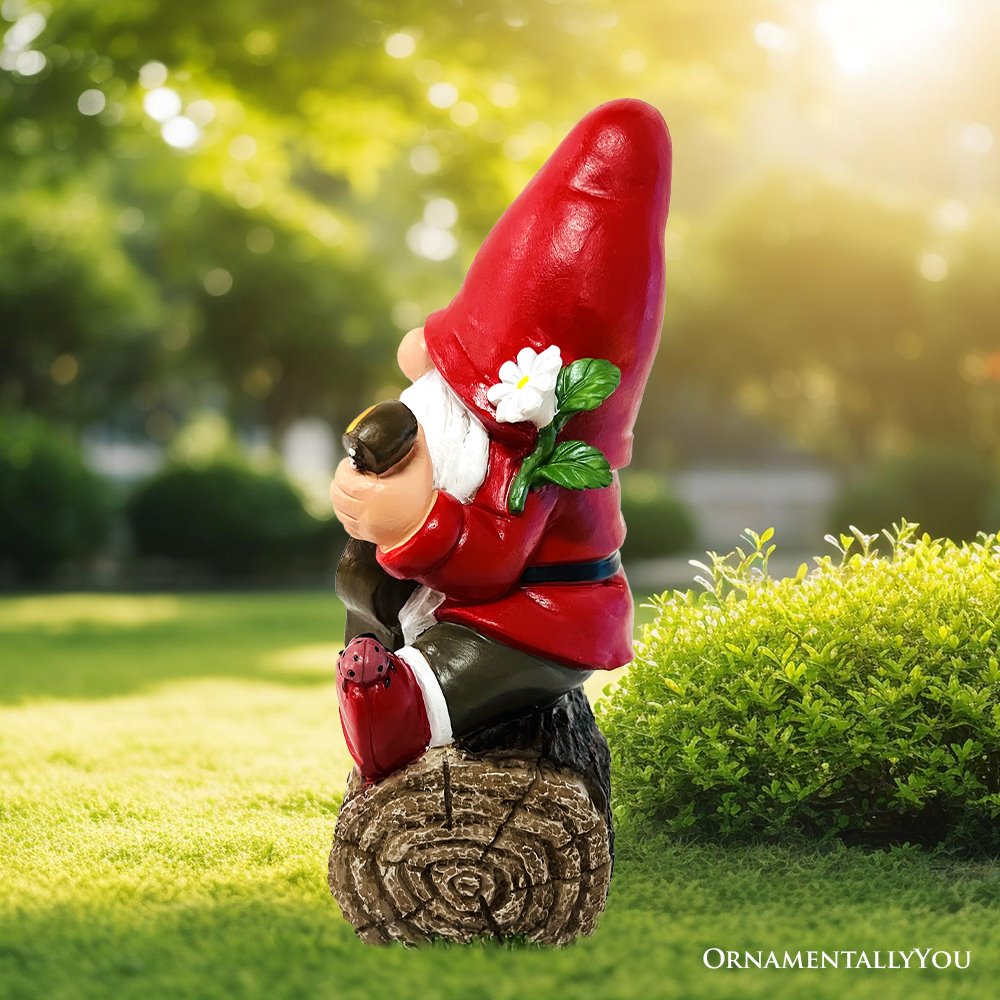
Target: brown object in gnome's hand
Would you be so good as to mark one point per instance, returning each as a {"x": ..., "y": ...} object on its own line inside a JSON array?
[
  {"x": 381, "y": 437},
  {"x": 506, "y": 836},
  {"x": 376, "y": 440}
]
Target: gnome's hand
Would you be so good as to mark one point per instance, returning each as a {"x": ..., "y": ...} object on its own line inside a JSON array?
[{"x": 390, "y": 508}]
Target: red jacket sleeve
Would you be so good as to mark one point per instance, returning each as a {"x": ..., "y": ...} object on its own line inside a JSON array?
[{"x": 470, "y": 552}]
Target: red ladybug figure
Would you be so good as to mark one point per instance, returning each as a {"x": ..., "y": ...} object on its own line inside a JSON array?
[
  {"x": 375, "y": 684},
  {"x": 486, "y": 581}
]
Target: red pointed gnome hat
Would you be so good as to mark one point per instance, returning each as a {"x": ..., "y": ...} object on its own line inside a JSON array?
[{"x": 575, "y": 261}]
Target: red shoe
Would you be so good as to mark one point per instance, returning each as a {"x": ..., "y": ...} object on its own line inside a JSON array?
[{"x": 381, "y": 708}]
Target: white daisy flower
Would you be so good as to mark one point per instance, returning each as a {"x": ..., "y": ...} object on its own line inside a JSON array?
[{"x": 527, "y": 387}]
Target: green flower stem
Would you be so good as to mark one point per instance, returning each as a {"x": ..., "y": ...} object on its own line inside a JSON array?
[{"x": 521, "y": 483}]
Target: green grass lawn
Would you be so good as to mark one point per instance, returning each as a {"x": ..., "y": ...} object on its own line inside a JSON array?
[{"x": 170, "y": 770}]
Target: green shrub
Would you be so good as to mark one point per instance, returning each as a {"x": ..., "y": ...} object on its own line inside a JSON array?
[
  {"x": 229, "y": 517},
  {"x": 658, "y": 523},
  {"x": 52, "y": 507},
  {"x": 945, "y": 490},
  {"x": 861, "y": 699}
]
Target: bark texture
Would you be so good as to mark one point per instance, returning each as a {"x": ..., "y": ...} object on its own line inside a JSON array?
[{"x": 506, "y": 834}]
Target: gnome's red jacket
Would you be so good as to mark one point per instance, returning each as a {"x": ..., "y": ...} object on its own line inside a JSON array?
[
  {"x": 476, "y": 553},
  {"x": 576, "y": 261}
]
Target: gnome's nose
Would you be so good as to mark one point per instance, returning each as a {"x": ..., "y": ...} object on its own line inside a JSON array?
[{"x": 623, "y": 149}]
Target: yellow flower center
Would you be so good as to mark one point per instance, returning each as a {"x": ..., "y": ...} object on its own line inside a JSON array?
[{"x": 523, "y": 381}]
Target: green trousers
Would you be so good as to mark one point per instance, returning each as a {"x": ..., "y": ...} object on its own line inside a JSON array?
[{"x": 484, "y": 681}]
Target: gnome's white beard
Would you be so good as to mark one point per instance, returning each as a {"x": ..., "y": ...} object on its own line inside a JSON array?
[{"x": 458, "y": 443}]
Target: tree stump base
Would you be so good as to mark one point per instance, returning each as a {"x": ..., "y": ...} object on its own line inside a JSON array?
[{"x": 506, "y": 835}]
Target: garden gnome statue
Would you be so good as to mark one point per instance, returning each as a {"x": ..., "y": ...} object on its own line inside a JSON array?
[{"x": 484, "y": 584}]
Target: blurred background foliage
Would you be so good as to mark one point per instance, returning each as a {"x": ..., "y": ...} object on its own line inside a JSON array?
[{"x": 239, "y": 208}]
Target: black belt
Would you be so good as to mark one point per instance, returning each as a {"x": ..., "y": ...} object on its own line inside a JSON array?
[{"x": 574, "y": 572}]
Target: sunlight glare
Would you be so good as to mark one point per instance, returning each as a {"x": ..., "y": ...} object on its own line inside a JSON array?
[
  {"x": 153, "y": 74},
  {"x": 91, "y": 102},
  {"x": 950, "y": 216},
  {"x": 464, "y": 113},
  {"x": 30, "y": 62},
  {"x": 424, "y": 160},
  {"x": 67, "y": 612},
  {"x": 441, "y": 212},
  {"x": 302, "y": 659},
  {"x": 977, "y": 137},
  {"x": 933, "y": 267},
  {"x": 866, "y": 36},
  {"x": 180, "y": 132},
  {"x": 442, "y": 94},
  {"x": 431, "y": 242},
  {"x": 400, "y": 45},
  {"x": 774, "y": 37},
  {"x": 162, "y": 104}
]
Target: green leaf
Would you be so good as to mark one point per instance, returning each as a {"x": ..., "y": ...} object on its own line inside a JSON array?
[
  {"x": 585, "y": 384},
  {"x": 575, "y": 466}
]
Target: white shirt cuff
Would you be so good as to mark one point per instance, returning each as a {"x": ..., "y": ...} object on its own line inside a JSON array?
[{"x": 437, "y": 708}]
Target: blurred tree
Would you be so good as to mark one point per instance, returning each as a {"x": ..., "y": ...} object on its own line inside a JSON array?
[
  {"x": 52, "y": 508},
  {"x": 815, "y": 307},
  {"x": 78, "y": 314},
  {"x": 296, "y": 180},
  {"x": 947, "y": 491},
  {"x": 293, "y": 329},
  {"x": 280, "y": 189},
  {"x": 229, "y": 517},
  {"x": 970, "y": 323}
]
